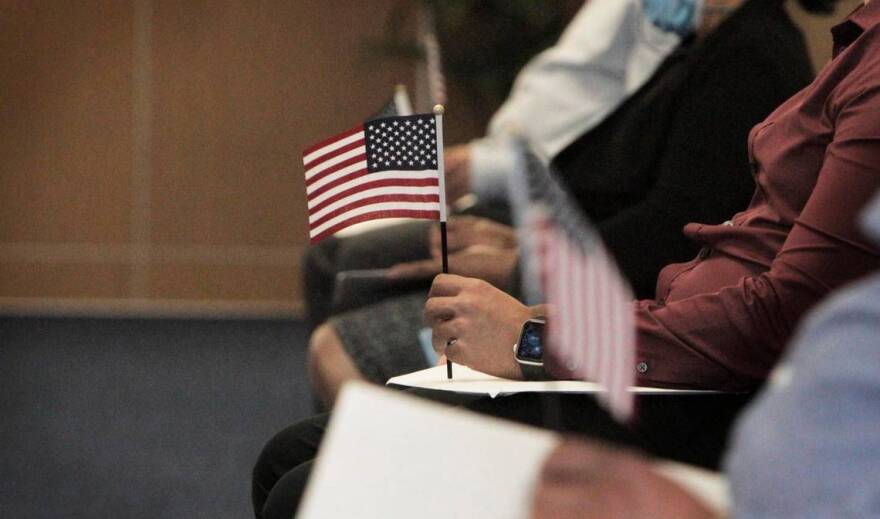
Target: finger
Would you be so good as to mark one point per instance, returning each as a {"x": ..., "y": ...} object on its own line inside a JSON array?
[
  {"x": 414, "y": 269},
  {"x": 456, "y": 241},
  {"x": 457, "y": 237},
  {"x": 561, "y": 501},
  {"x": 444, "y": 336},
  {"x": 434, "y": 241},
  {"x": 454, "y": 350},
  {"x": 458, "y": 228},
  {"x": 439, "y": 344},
  {"x": 452, "y": 245},
  {"x": 439, "y": 309},
  {"x": 464, "y": 220},
  {"x": 575, "y": 460},
  {"x": 445, "y": 285},
  {"x": 447, "y": 330}
]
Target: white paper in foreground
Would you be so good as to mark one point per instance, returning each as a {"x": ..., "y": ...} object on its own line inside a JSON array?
[
  {"x": 466, "y": 380},
  {"x": 388, "y": 455}
]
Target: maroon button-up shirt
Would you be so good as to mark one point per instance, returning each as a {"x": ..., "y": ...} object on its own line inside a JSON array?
[{"x": 723, "y": 319}]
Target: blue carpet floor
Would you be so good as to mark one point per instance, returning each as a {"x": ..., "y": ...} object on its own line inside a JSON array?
[{"x": 142, "y": 418}]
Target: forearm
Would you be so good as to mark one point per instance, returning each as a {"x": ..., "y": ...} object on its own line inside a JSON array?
[{"x": 731, "y": 338}]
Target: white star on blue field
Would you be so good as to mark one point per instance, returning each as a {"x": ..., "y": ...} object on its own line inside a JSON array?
[{"x": 401, "y": 143}]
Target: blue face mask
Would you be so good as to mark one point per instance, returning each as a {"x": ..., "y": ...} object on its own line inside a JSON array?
[{"x": 678, "y": 16}]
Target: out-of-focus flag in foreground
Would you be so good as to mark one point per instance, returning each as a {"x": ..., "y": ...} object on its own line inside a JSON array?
[
  {"x": 385, "y": 168},
  {"x": 591, "y": 329}
]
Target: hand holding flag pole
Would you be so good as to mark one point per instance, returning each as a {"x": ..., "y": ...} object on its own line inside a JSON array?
[
  {"x": 438, "y": 117},
  {"x": 387, "y": 167}
]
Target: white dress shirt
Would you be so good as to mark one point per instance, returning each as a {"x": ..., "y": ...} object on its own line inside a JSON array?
[{"x": 607, "y": 52}]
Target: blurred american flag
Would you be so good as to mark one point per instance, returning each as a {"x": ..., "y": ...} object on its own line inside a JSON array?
[{"x": 591, "y": 330}]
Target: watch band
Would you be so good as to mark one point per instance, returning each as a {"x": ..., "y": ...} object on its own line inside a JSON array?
[{"x": 532, "y": 372}]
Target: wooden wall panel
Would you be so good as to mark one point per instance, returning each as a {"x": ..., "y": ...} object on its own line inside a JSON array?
[
  {"x": 65, "y": 144},
  {"x": 240, "y": 88},
  {"x": 225, "y": 282},
  {"x": 160, "y": 141},
  {"x": 53, "y": 280}
]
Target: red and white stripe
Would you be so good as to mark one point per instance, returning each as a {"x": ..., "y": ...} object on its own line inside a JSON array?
[
  {"x": 340, "y": 192},
  {"x": 592, "y": 332}
]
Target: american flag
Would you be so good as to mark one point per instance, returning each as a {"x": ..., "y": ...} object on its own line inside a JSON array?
[
  {"x": 591, "y": 334},
  {"x": 384, "y": 168}
]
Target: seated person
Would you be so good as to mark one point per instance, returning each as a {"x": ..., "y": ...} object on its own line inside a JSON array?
[
  {"x": 805, "y": 448},
  {"x": 720, "y": 321},
  {"x": 671, "y": 154},
  {"x": 558, "y": 96}
]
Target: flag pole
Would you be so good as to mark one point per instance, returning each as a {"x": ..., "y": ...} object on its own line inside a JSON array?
[{"x": 438, "y": 119}]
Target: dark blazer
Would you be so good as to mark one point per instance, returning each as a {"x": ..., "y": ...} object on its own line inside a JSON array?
[{"x": 676, "y": 151}]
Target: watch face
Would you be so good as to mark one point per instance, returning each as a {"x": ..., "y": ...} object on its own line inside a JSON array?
[{"x": 530, "y": 345}]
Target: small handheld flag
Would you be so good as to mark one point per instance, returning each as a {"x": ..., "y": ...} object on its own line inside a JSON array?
[
  {"x": 387, "y": 167},
  {"x": 384, "y": 168}
]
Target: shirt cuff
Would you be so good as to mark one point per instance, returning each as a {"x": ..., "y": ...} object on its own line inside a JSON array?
[{"x": 491, "y": 161}]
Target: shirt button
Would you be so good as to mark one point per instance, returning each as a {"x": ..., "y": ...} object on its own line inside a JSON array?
[{"x": 642, "y": 367}]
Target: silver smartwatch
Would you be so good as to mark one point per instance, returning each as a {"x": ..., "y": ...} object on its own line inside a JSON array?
[{"x": 529, "y": 349}]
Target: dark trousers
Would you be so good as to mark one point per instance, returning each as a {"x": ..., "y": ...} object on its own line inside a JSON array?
[{"x": 688, "y": 428}]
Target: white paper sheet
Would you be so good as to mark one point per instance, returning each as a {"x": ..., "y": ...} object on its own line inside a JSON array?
[
  {"x": 466, "y": 380},
  {"x": 388, "y": 455}
]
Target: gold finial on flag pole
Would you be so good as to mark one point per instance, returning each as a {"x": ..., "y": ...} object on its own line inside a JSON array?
[{"x": 438, "y": 109}]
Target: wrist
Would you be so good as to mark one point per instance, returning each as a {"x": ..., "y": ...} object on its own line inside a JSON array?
[{"x": 542, "y": 310}]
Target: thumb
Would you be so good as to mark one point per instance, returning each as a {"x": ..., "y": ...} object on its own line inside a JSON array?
[{"x": 414, "y": 269}]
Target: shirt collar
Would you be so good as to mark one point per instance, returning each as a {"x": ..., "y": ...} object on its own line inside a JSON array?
[{"x": 860, "y": 20}]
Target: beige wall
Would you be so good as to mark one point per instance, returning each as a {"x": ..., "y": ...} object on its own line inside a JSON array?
[{"x": 149, "y": 150}]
